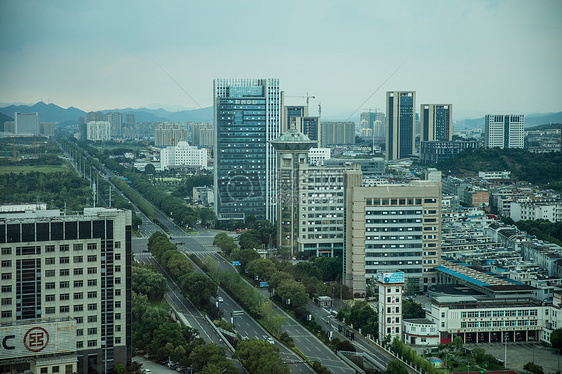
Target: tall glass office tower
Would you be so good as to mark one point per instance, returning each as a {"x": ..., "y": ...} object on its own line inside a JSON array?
[
  {"x": 400, "y": 124},
  {"x": 247, "y": 115}
]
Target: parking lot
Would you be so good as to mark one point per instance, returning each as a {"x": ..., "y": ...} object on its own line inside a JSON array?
[
  {"x": 153, "y": 366},
  {"x": 518, "y": 354}
]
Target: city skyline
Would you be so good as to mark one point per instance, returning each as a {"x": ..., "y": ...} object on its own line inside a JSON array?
[{"x": 469, "y": 54}]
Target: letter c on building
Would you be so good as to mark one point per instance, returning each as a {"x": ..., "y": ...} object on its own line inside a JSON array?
[{"x": 5, "y": 342}]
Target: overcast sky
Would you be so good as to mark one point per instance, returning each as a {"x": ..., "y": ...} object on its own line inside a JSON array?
[{"x": 481, "y": 56}]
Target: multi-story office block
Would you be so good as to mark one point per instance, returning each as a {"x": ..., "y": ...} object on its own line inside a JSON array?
[
  {"x": 400, "y": 124},
  {"x": 166, "y": 134},
  {"x": 98, "y": 131},
  {"x": 432, "y": 152},
  {"x": 337, "y": 133},
  {"x": 247, "y": 115},
  {"x": 317, "y": 156},
  {"x": 183, "y": 155},
  {"x": 390, "y": 304},
  {"x": 202, "y": 134},
  {"x": 533, "y": 210},
  {"x": 66, "y": 290},
  {"x": 96, "y": 116},
  {"x": 504, "y": 131},
  {"x": 26, "y": 123},
  {"x": 310, "y": 126},
  {"x": 389, "y": 228},
  {"x": 436, "y": 122},
  {"x": 296, "y": 117}
]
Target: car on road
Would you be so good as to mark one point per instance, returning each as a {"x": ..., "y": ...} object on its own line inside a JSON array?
[
  {"x": 270, "y": 340},
  {"x": 220, "y": 299}
]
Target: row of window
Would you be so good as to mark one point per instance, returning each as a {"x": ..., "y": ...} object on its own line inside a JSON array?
[
  {"x": 525, "y": 322},
  {"x": 76, "y": 308},
  {"x": 76, "y": 283},
  {"x": 384, "y": 202},
  {"x": 500, "y": 313}
]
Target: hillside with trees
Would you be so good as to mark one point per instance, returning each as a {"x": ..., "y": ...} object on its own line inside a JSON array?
[{"x": 543, "y": 169}]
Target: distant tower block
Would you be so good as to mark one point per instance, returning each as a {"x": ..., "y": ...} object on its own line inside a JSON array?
[
  {"x": 292, "y": 164},
  {"x": 390, "y": 304}
]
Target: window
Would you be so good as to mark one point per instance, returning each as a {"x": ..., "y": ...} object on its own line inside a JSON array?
[
  {"x": 49, "y": 261},
  {"x": 117, "y": 340},
  {"x": 64, "y": 272},
  {"x": 92, "y": 331},
  {"x": 50, "y": 285},
  {"x": 64, "y": 296},
  {"x": 49, "y": 273},
  {"x": 117, "y": 268},
  {"x": 92, "y": 294},
  {"x": 91, "y": 343},
  {"x": 77, "y": 247},
  {"x": 44, "y": 370},
  {"x": 6, "y": 251},
  {"x": 6, "y": 263},
  {"x": 92, "y": 318},
  {"x": 118, "y": 292},
  {"x": 64, "y": 284},
  {"x": 388, "y": 319},
  {"x": 118, "y": 328},
  {"x": 79, "y": 319},
  {"x": 78, "y": 295},
  {"x": 79, "y": 344},
  {"x": 50, "y": 310},
  {"x": 78, "y": 308},
  {"x": 92, "y": 282},
  {"x": 398, "y": 330},
  {"x": 117, "y": 256},
  {"x": 78, "y": 283},
  {"x": 117, "y": 244},
  {"x": 55, "y": 369},
  {"x": 49, "y": 248},
  {"x": 78, "y": 259},
  {"x": 92, "y": 306},
  {"x": 6, "y": 301},
  {"x": 64, "y": 309},
  {"x": 7, "y": 288},
  {"x": 118, "y": 304},
  {"x": 117, "y": 280},
  {"x": 79, "y": 332},
  {"x": 78, "y": 271},
  {"x": 397, "y": 309},
  {"x": 64, "y": 260},
  {"x": 92, "y": 270},
  {"x": 117, "y": 316},
  {"x": 92, "y": 258},
  {"x": 92, "y": 246},
  {"x": 64, "y": 248}
]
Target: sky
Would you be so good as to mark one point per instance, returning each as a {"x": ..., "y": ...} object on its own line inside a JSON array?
[{"x": 483, "y": 57}]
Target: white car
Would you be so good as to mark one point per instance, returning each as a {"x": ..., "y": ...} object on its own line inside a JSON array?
[
  {"x": 220, "y": 299},
  {"x": 270, "y": 340}
]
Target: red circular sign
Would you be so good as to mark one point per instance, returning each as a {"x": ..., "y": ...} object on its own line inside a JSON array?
[{"x": 36, "y": 339}]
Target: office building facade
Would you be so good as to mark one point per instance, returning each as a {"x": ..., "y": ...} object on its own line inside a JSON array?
[
  {"x": 98, "y": 131},
  {"x": 248, "y": 116},
  {"x": 400, "y": 124},
  {"x": 389, "y": 228},
  {"x": 337, "y": 133},
  {"x": 26, "y": 123},
  {"x": 436, "y": 122},
  {"x": 183, "y": 154},
  {"x": 67, "y": 281},
  {"x": 504, "y": 131},
  {"x": 434, "y": 151}
]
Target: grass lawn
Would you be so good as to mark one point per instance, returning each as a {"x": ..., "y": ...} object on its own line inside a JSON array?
[{"x": 29, "y": 168}]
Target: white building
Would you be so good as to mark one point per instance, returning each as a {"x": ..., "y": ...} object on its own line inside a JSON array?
[
  {"x": 532, "y": 210},
  {"x": 26, "y": 123},
  {"x": 504, "y": 174},
  {"x": 183, "y": 155},
  {"x": 317, "y": 155},
  {"x": 433, "y": 174},
  {"x": 98, "y": 131},
  {"x": 504, "y": 131}
]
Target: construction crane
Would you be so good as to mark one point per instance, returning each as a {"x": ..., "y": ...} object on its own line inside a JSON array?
[
  {"x": 172, "y": 139},
  {"x": 308, "y": 97}
]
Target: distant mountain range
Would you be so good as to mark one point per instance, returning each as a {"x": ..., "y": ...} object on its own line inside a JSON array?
[{"x": 54, "y": 113}]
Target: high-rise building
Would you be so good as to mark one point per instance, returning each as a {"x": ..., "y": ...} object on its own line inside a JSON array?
[
  {"x": 166, "y": 134},
  {"x": 337, "y": 133},
  {"x": 390, "y": 228},
  {"x": 27, "y": 123},
  {"x": 96, "y": 116},
  {"x": 247, "y": 114},
  {"x": 434, "y": 151},
  {"x": 66, "y": 290},
  {"x": 504, "y": 131},
  {"x": 131, "y": 119},
  {"x": 202, "y": 134},
  {"x": 115, "y": 119},
  {"x": 400, "y": 124},
  {"x": 436, "y": 122},
  {"x": 296, "y": 117},
  {"x": 98, "y": 131}
]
